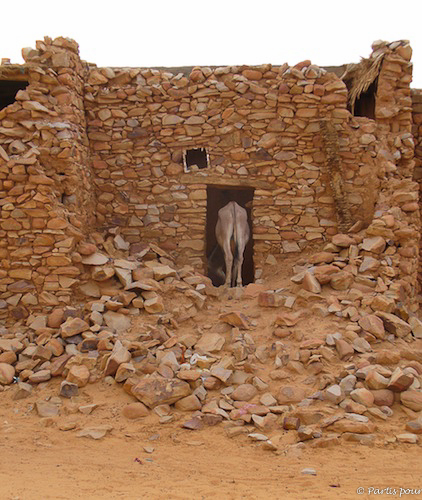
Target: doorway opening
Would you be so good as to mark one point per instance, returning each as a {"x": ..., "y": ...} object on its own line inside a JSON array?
[
  {"x": 8, "y": 91},
  {"x": 218, "y": 197},
  {"x": 365, "y": 102}
]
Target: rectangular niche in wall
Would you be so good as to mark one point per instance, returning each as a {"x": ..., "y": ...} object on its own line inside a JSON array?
[
  {"x": 218, "y": 197},
  {"x": 195, "y": 158},
  {"x": 8, "y": 91}
]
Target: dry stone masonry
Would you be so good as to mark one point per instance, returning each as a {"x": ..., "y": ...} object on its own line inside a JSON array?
[
  {"x": 85, "y": 147},
  {"x": 109, "y": 182}
]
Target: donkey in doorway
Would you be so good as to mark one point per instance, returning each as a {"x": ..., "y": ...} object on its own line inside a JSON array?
[{"x": 232, "y": 232}]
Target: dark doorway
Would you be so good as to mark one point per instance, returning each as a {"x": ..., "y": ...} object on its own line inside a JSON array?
[
  {"x": 8, "y": 91},
  {"x": 365, "y": 103},
  {"x": 218, "y": 197}
]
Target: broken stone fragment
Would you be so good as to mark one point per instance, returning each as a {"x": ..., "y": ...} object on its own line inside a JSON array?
[
  {"x": 194, "y": 424},
  {"x": 244, "y": 392},
  {"x": 394, "y": 324},
  {"x": 154, "y": 305},
  {"x": 235, "y": 318},
  {"x": 400, "y": 381},
  {"x": 7, "y": 373},
  {"x": 269, "y": 299},
  {"x": 375, "y": 380},
  {"x": 47, "y": 409},
  {"x": 189, "y": 403},
  {"x": 343, "y": 240},
  {"x": 334, "y": 393},
  {"x": 362, "y": 396},
  {"x": 346, "y": 425},
  {"x": 383, "y": 397},
  {"x": 133, "y": 411},
  {"x": 161, "y": 272},
  {"x": 291, "y": 423},
  {"x": 310, "y": 283},
  {"x": 117, "y": 321},
  {"x": 412, "y": 399},
  {"x": 373, "y": 324},
  {"x": 40, "y": 376},
  {"x": 23, "y": 391},
  {"x": 73, "y": 326},
  {"x": 344, "y": 349},
  {"x": 210, "y": 342},
  {"x": 407, "y": 437},
  {"x": 96, "y": 259},
  {"x": 95, "y": 432},
  {"x": 79, "y": 375},
  {"x": 118, "y": 356},
  {"x": 124, "y": 371},
  {"x": 155, "y": 391},
  {"x": 290, "y": 394},
  {"x": 68, "y": 389},
  {"x": 102, "y": 273}
]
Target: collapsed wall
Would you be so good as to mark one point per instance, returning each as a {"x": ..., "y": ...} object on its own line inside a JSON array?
[{"x": 138, "y": 151}]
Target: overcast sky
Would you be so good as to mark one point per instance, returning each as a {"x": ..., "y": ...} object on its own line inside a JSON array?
[{"x": 220, "y": 32}]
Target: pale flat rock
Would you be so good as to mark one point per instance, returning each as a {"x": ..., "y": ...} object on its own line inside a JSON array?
[
  {"x": 95, "y": 432},
  {"x": 117, "y": 321},
  {"x": 210, "y": 342},
  {"x": 95, "y": 259},
  {"x": 47, "y": 409},
  {"x": 162, "y": 272}
]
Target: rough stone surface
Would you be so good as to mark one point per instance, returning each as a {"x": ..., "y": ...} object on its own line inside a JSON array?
[{"x": 156, "y": 391}]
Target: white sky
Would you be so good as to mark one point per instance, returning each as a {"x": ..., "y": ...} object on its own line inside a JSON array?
[{"x": 221, "y": 32}]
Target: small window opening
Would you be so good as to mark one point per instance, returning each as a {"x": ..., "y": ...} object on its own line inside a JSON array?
[
  {"x": 8, "y": 91},
  {"x": 195, "y": 158}
]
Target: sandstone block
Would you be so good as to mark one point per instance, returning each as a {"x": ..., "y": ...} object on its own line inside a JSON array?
[
  {"x": 7, "y": 372},
  {"x": 156, "y": 391}
]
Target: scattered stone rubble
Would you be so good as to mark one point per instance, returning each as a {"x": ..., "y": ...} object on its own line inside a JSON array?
[{"x": 129, "y": 330}]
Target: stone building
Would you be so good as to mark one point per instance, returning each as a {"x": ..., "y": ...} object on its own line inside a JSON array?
[{"x": 152, "y": 154}]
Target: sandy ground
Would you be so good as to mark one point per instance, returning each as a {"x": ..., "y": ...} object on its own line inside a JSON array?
[{"x": 44, "y": 463}]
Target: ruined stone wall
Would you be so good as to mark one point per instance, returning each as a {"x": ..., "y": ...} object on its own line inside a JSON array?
[
  {"x": 45, "y": 186},
  {"x": 86, "y": 147},
  {"x": 397, "y": 217},
  {"x": 261, "y": 128},
  {"x": 417, "y": 136}
]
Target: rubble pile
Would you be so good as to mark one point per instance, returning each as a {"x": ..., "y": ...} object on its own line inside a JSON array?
[{"x": 193, "y": 355}]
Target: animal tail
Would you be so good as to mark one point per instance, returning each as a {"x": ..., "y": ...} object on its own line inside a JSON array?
[
  {"x": 235, "y": 240},
  {"x": 213, "y": 252}
]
